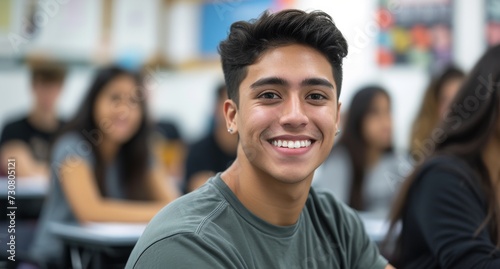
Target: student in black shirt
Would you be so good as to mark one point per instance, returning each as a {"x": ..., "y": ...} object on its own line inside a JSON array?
[
  {"x": 450, "y": 205},
  {"x": 27, "y": 139},
  {"x": 213, "y": 153}
]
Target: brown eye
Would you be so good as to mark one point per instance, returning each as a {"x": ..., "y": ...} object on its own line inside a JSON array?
[
  {"x": 269, "y": 95},
  {"x": 316, "y": 96}
]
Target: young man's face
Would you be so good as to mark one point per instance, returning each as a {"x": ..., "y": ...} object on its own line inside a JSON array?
[
  {"x": 46, "y": 93},
  {"x": 287, "y": 114}
]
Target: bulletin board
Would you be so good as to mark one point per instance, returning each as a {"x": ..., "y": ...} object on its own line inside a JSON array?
[{"x": 415, "y": 32}]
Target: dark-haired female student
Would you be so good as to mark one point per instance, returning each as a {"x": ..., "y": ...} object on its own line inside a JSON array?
[
  {"x": 359, "y": 167},
  {"x": 436, "y": 102},
  {"x": 102, "y": 166},
  {"x": 450, "y": 206}
]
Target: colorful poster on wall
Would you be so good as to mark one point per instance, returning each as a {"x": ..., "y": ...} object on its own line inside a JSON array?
[
  {"x": 415, "y": 32},
  {"x": 492, "y": 8},
  {"x": 218, "y": 15}
]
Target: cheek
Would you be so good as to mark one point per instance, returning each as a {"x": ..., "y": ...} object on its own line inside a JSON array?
[
  {"x": 256, "y": 119},
  {"x": 136, "y": 116},
  {"x": 101, "y": 111},
  {"x": 370, "y": 129},
  {"x": 325, "y": 119},
  {"x": 98, "y": 113}
]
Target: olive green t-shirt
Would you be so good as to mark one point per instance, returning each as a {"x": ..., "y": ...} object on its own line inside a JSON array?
[{"x": 210, "y": 228}]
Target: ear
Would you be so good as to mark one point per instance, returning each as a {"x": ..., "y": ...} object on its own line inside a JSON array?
[
  {"x": 231, "y": 114},
  {"x": 337, "y": 121}
]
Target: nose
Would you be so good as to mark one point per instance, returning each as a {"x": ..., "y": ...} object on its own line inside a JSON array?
[
  {"x": 122, "y": 109},
  {"x": 293, "y": 114}
]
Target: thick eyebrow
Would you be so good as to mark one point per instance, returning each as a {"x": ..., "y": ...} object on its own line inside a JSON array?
[
  {"x": 269, "y": 81},
  {"x": 316, "y": 82}
]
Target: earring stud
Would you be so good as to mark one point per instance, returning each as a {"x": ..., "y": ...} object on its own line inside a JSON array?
[
  {"x": 337, "y": 132},
  {"x": 230, "y": 130}
]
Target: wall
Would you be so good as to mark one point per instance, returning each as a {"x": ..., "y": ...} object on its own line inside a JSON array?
[{"x": 186, "y": 97}]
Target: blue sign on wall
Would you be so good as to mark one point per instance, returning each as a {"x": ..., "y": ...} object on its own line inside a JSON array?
[{"x": 217, "y": 17}]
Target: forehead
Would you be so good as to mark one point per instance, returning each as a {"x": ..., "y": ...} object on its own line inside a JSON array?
[
  {"x": 293, "y": 63},
  {"x": 121, "y": 83}
]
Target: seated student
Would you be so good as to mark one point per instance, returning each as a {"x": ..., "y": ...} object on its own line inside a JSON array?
[
  {"x": 283, "y": 72},
  {"x": 357, "y": 168},
  {"x": 102, "y": 167},
  {"x": 27, "y": 139},
  {"x": 449, "y": 206},
  {"x": 213, "y": 153},
  {"x": 436, "y": 103}
]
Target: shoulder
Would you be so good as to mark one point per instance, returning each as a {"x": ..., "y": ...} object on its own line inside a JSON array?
[
  {"x": 328, "y": 202},
  {"x": 71, "y": 139},
  {"x": 188, "y": 219},
  {"x": 344, "y": 228},
  {"x": 16, "y": 123},
  {"x": 188, "y": 213},
  {"x": 14, "y": 127},
  {"x": 445, "y": 172},
  {"x": 446, "y": 181},
  {"x": 72, "y": 144},
  {"x": 341, "y": 216}
]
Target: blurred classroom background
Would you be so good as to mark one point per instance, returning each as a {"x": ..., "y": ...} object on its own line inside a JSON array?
[
  {"x": 178, "y": 39},
  {"x": 399, "y": 45}
]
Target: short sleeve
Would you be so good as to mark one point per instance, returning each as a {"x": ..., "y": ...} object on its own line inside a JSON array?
[
  {"x": 183, "y": 251},
  {"x": 448, "y": 212},
  {"x": 69, "y": 148}
]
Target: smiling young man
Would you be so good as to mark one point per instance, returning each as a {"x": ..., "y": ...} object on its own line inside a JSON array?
[{"x": 283, "y": 73}]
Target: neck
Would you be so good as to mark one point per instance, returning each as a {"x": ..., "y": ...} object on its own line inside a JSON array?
[
  {"x": 108, "y": 150},
  {"x": 372, "y": 156},
  {"x": 43, "y": 120},
  {"x": 490, "y": 157},
  {"x": 273, "y": 201}
]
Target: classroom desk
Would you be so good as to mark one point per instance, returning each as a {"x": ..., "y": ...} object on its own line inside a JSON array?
[
  {"x": 376, "y": 227},
  {"x": 29, "y": 187},
  {"x": 29, "y": 195},
  {"x": 88, "y": 243}
]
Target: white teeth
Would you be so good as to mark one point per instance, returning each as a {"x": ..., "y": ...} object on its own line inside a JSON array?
[{"x": 291, "y": 144}]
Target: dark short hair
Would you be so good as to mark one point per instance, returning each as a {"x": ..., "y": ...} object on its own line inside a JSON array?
[
  {"x": 248, "y": 40},
  {"x": 220, "y": 91},
  {"x": 47, "y": 72}
]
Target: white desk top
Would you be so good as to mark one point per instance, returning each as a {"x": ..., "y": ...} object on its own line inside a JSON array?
[
  {"x": 103, "y": 234},
  {"x": 26, "y": 187}
]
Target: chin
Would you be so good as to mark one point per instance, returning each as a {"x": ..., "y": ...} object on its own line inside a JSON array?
[
  {"x": 290, "y": 176},
  {"x": 122, "y": 138}
]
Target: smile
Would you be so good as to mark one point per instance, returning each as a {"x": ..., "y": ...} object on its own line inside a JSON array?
[{"x": 291, "y": 144}]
